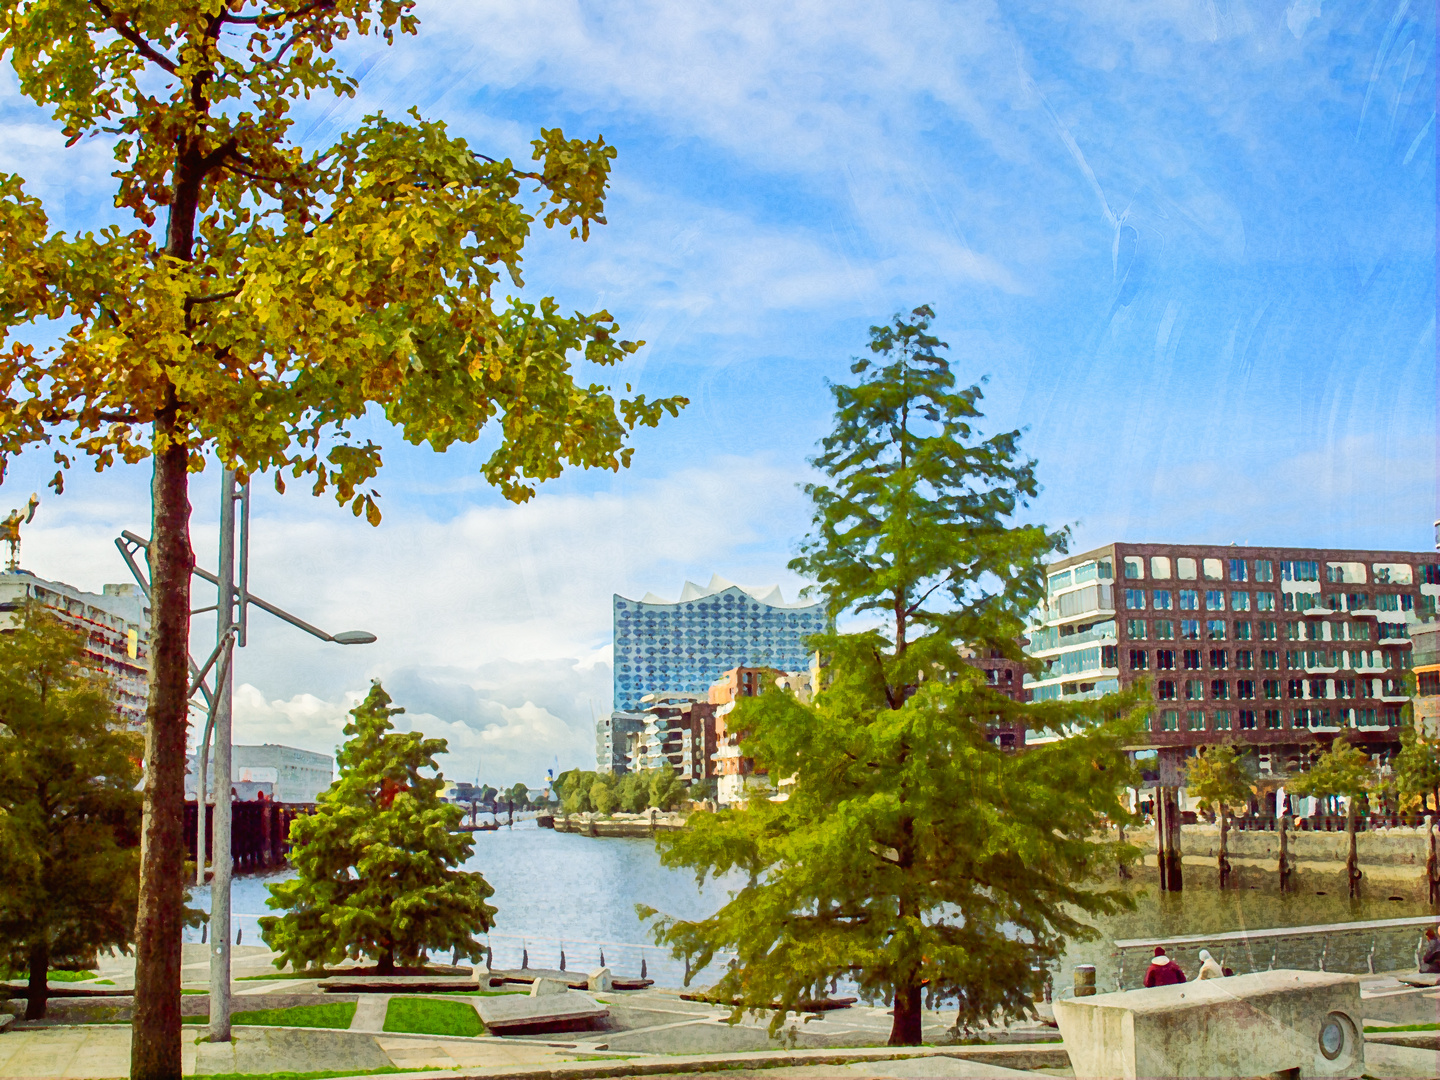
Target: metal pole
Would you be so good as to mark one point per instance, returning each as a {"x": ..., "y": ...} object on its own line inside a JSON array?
[{"x": 223, "y": 865}]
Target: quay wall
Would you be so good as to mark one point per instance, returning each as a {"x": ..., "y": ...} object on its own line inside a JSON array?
[
  {"x": 617, "y": 824},
  {"x": 1399, "y": 847}
]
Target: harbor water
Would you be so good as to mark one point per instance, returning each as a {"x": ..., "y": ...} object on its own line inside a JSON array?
[{"x": 567, "y": 891}]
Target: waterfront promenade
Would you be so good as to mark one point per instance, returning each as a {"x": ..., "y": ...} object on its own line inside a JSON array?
[{"x": 652, "y": 1032}]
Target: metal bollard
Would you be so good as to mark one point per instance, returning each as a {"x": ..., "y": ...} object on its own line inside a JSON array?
[{"x": 1084, "y": 980}]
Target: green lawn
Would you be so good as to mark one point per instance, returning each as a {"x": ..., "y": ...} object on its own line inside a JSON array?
[
  {"x": 432, "y": 1016},
  {"x": 307, "y": 1076},
  {"x": 336, "y": 1015},
  {"x": 52, "y": 976},
  {"x": 1407, "y": 1027},
  {"x": 289, "y": 975}
]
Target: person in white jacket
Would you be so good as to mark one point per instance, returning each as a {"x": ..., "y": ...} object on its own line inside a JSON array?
[{"x": 1209, "y": 969}]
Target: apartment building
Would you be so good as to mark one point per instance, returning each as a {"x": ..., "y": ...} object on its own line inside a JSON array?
[
  {"x": 1279, "y": 648},
  {"x": 115, "y": 624}
]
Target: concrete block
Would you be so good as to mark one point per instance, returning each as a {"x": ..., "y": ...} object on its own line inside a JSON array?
[
  {"x": 515, "y": 1014},
  {"x": 1244, "y": 1025},
  {"x": 548, "y": 988},
  {"x": 599, "y": 980}
]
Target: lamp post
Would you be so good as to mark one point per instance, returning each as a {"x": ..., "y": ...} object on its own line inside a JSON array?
[{"x": 230, "y": 631}]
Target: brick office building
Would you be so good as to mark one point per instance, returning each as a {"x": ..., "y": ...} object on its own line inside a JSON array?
[{"x": 1280, "y": 648}]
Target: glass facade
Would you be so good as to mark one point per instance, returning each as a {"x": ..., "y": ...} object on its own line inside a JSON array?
[{"x": 687, "y": 645}]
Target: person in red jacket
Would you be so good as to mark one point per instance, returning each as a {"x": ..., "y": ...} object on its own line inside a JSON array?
[{"x": 1163, "y": 971}]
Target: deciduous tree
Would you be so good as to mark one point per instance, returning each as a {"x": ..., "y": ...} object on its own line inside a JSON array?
[
  {"x": 1216, "y": 778},
  {"x": 914, "y": 855},
  {"x": 1417, "y": 766},
  {"x": 1344, "y": 770},
  {"x": 376, "y": 863},
  {"x": 287, "y": 295},
  {"x": 69, "y": 808}
]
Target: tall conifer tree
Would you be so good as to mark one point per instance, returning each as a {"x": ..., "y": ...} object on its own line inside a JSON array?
[
  {"x": 376, "y": 862},
  {"x": 914, "y": 855}
]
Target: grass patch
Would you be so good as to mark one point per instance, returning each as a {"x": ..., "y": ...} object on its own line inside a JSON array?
[
  {"x": 331, "y": 1015},
  {"x": 1407, "y": 1027},
  {"x": 389, "y": 1069},
  {"x": 432, "y": 1016},
  {"x": 290, "y": 975},
  {"x": 194, "y": 991},
  {"x": 70, "y": 976},
  {"x": 104, "y": 982}
]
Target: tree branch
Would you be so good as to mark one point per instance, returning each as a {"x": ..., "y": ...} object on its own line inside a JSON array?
[{"x": 130, "y": 34}]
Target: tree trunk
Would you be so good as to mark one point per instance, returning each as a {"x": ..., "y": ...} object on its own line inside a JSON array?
[
  {"x": 1224, "y": 860},
  {"x": 155, "y": 1043},
  {"x": 385, "y": 962},
  {"x": 1284, "y": 852},
  {"x": 1352, "y": 858},
  {"x": 39, "y": 990},
  {"x": 905, "y": 1031}
]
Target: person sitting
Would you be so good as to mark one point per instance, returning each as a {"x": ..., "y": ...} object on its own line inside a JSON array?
[
  {"x": 1163, "y": 971},
  {"x": 1209, "y": 969},
  {"x": 1430, "y": 954}
]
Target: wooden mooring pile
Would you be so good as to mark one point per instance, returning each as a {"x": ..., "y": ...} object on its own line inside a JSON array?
[{"x": 259, "y": 833}]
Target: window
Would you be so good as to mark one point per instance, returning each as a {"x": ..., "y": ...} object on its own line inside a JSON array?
[
  {"x": 1271, "y": 689},
  {"x": 1430, "y": 575},
  {"x": 1165, "y": 690},
  {"x": 1170, "y": 719},
  {"x": 1365, "y": 717},
  {"x": 1407, "y": 602},
  {"x": 1245, "y": 689},
  {"x": 1189, "y": 600},
  {"x": 1134, "y": 567},
  {"x": 1267, "y": 631},
  {"x": 1334, "y": 601},
  {"x": 1429, "y": 683},
  {"x": 1237, "y": 570},
  {"x": 1360, "y": 631},
  {"x": 1190, "y": 629},
  {"x": 1239, "y": 601},
  {"x": 1344, "y": 688},
  {"x": 1165, "y": 659},
  {"x": 1194, "y": 690},
  {"x": 1222, "y": 720},
  {"x": 1242, "y": 631},
  {"x": 1319, "y": 689},
  {"x": 1185, "y": 569},
  {"x": 1244, "y": 660},
  {"x": 1211, "y": 568},
  {"x": 1217, "y": 659},
  {"x": 1246, "y": 719},
  {"x": 1264, "y": 601},
  {"x": 1387, "y": 602},
  {"x": 1162, "y": 599},
  {"x": 1060, "y": 580},
  {"x": 1135, "y": 599},
  {"x": 1139, "y": 659},
  {"x": 1219, "y": 690},
  {"x": 1164, "y": 630},
  {"x": 1264, "y": 570},
  {"x": 1301, "y": 718},
  {"x": 1191, "y": 659},
  {"x": 1300, "y": 601},
  {"x": 1159, "y": 567},
  {"x": 1214, "y": 600},
  {"x": 1295, "y": 688},
  {"x": 1088, "y": 572},
  {"x": 1270, "y": 659},
  {"x": 1299, "y": 571},
  {"x": 1272, "y": 719},
  {"x": 1194, "y": 720},
  {"x": 1135, "y": 629},
  {"x": 1215, "y": 630},
  {"x": 1108, "y": 657}
]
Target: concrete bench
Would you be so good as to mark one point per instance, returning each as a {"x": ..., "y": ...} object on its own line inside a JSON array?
[{"x": 1305, "y": 1023}]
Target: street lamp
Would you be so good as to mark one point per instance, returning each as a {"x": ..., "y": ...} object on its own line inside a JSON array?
[{"x": 229, "y": 632}]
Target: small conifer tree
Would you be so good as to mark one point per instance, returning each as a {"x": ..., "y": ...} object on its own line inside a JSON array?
[
  {"x": 69, "y": 808},
  {"x": 377, "y": 861}
]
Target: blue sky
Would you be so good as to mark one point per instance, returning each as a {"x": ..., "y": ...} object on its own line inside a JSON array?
[{"x": 1191, "y": 244}]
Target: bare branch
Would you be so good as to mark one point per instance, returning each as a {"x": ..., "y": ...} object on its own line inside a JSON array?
[{"x": 130, "y": 34}]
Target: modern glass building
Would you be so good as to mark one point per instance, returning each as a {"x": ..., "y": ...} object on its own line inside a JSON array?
[{"x": 687, "y": 644}]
